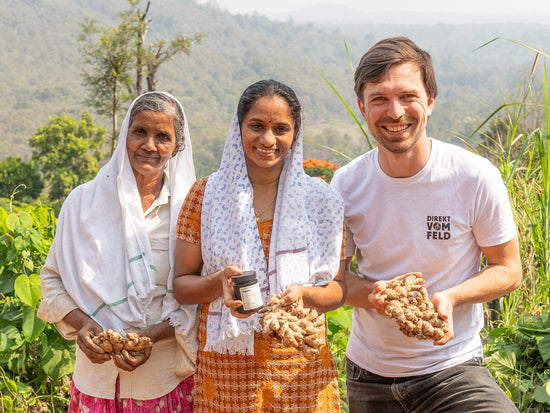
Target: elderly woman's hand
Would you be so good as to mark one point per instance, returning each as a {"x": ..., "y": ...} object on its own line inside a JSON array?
[
  {"x": 87, "y": 331},
  {"x": 129, "y": 361}
]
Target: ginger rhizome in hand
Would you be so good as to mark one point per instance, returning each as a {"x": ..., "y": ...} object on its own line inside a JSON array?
[
  {"x": 407, "y": 302},
  {"x": 294, "y": 325},
  {"x": 112, "y": 342}
]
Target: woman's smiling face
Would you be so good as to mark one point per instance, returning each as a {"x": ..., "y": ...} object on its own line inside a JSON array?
[
  {"x": 151, "y": 143},
  {"x": 267, "y": 132}
]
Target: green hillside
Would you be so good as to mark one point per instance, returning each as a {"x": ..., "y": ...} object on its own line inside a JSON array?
[{"x": 40, "y": 65}]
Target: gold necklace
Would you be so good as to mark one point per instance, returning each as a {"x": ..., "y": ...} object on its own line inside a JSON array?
[{"x": 258, "y": 215}]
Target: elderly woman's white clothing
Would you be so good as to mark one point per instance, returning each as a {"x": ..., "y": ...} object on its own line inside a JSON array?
[{"x": 115, "y": 263}]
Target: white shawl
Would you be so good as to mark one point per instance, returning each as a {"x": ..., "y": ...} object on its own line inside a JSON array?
[
  {"x": 305, "y": 244},
  {"x": 103, "y": 250}
]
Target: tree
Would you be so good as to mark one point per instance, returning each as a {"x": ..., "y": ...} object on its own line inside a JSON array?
[
  {"x": 116, "y": 52},
  {"x": 19, "y": 176},
  {"x": 68, "y": 152},
  {"x": 158, "y": 54},
  {"x": 111, "y": 60}
]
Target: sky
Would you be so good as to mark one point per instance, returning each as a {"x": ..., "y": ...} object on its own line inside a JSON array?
[{"x": 506, "y": 7}]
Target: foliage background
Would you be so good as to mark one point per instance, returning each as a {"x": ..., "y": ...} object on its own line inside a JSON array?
[{"x": 40, "y": 66}]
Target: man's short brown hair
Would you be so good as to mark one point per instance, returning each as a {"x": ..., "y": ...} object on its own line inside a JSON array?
[{"x": 390, "y": 52}]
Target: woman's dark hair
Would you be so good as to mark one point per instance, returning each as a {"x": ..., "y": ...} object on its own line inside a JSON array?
[
  {"x": 270, "y": 87},
  {"x": 163, "y": 103}
]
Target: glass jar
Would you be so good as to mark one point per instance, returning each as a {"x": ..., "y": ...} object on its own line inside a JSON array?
[{"x": 247, "y": 289}]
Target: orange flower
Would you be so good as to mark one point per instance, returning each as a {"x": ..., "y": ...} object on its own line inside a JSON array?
[{"x": 313, "y": 163}]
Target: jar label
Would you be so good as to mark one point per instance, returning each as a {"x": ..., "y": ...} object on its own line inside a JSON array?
[{"x": 251, "y": 297}]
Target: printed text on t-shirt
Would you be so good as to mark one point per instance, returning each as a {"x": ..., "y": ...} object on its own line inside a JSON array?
[{"x": 439, "y": 227}]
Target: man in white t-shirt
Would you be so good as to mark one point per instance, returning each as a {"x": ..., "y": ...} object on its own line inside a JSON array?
[{"x": 415, "y": 204}]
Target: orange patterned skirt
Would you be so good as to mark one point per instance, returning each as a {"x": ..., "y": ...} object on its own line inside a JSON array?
[{"x": 275, "y": 379}]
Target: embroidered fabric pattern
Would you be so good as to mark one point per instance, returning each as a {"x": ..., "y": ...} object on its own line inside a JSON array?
[{"x": 275, "y": 379}]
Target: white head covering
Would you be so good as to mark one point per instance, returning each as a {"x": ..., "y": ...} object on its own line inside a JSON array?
[
  {"x": 306, "y": 239},
  {"x": 103, "y": 251}
]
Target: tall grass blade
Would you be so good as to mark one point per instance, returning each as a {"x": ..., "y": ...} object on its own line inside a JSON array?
[
  {"x": 330, "y": 149},
  {"x": 350, "y": 111}
]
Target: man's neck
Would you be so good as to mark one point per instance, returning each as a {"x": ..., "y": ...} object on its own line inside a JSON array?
[{"x": 406, "y": 164}]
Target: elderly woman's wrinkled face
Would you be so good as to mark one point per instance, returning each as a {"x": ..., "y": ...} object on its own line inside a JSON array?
[
  {"x": 151, "y": 143},
  {"x": 267, "y": 132}
]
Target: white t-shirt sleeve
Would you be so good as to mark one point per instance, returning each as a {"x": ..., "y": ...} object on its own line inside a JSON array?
[{"x": 494, "y": 221}]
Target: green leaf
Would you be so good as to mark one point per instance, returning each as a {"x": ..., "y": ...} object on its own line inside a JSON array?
[
  {"x": 32, "y": 325},
  {"x": 20, "y": 243},
  {"x": 499, "y": 331},
  {"x": 12, "y": 221},
  {"x": 11, "y": 385},
  {"x": 3, "y": 216},
  {"x": 27, "y": 288},
  {"x": 544, "y": 348},
  {"x": 7, "y": 402},
  {"x": 25, "y": 219},
  {"x": 6, "y": 283},
  {"x": 534, "y": 332},
  {"x": 10, "y": 339},
  {"x": 17, "y": 221},
  {"x": 542, "y": 393},
  {"x": 11, "y": 312},
  {"x": 58, "y": 359},
  {"x": 341, "y": 317},
  {"x": 36, "y": 238},
  {"x": 503, "y": 363}
]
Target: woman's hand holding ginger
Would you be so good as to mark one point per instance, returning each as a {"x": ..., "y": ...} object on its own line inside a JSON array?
[
  {"x": 292, "y": 295},
  {"x": 130, "y": 360},
  {"x": 84, "y": 340}
]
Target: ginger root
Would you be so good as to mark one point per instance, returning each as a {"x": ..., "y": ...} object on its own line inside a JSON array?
[
  {"x": 294, "y": 325},
  {"x": 407, "y": 302},
  {"x": 113, "y": 343}
]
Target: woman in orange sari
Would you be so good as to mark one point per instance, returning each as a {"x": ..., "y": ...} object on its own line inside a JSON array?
[{"x": 260, "y": 212}]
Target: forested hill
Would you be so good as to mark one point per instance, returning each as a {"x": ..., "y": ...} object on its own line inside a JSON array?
[{"x": 40, "y": 65}]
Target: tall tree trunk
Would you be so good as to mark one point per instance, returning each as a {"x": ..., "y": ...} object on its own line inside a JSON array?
[{"x": 143, "y": 29}]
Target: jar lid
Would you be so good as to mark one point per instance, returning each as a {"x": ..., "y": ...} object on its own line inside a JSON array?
[{"x": 247, "y": 276}]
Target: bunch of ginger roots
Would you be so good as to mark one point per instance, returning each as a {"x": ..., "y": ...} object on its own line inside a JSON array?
[
  {"x": 407, "y": 302},
  {"x": 113, "y": 342},
  {"x": 294, "y": 325}
]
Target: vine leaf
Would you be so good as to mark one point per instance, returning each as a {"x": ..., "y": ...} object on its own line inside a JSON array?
[
  {"x": 544, "y": 348},
  {"x": 27, "y": 288}
]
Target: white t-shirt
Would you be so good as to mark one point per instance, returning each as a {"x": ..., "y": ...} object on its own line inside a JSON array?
[{"x": 433, "y": 222}]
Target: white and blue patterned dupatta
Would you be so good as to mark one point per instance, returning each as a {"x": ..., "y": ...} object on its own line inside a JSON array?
[
  {"x": 306, "y": 239},
  {"x": 103, "y": 250}
]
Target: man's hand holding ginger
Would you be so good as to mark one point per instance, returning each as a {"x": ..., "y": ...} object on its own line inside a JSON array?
[{"x": 405, "y": 299}]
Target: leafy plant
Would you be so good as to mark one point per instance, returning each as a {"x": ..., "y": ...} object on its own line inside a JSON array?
[
  {"x": 33, "y": 356},
  {"x": 339, "y": 326},
  {"x": 517, "y": 142},
  {"x": 519, "y": 360}
]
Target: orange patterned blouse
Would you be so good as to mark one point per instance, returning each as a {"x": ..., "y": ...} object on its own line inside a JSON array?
[{"x": 276, "y": 378}]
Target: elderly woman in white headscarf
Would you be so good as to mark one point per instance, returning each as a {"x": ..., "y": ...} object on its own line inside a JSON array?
[
  {"x": 111, "y": 267},
  {"x": 260, "y": 212}
]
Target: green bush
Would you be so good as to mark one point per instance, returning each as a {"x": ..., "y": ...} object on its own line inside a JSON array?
[
  {"x": 519, "y": 360},
  {"x": 34, "y": 358}
]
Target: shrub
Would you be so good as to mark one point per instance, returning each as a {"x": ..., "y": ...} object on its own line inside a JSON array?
[{"x": 34, "y": 358}]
